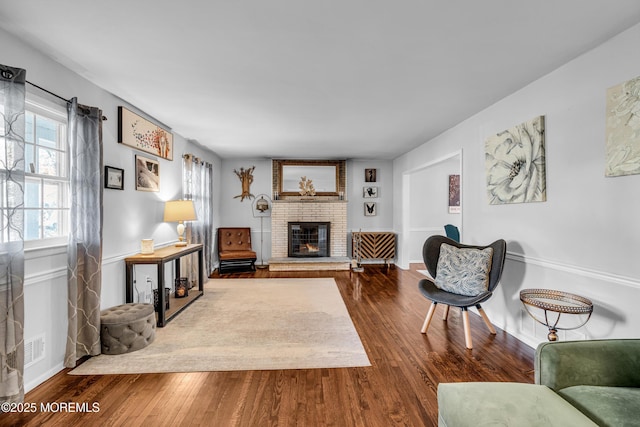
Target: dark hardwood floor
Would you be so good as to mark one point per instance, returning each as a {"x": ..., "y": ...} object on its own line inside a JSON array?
[{"x": 398, "y": 389}]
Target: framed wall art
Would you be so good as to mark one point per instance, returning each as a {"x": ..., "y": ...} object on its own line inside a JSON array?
[
  {"x": 623, "y": 129},
  {"x": 454, "y": 194},
  {"x": 113, "y": 178},
  {"x": 515, "y": 164},
  {"x": 370, "y": 209},
  {"x": 147, "y": 174},
  {"x": 370, "y": 175},
  {"x": 140, "y": 133},
  {"x": 370, "y": 192}
]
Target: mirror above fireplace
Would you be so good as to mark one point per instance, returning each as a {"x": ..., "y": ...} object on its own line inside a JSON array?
[
  {"x": 324, "y": 178},
  {"x": 328, "y": 176}
]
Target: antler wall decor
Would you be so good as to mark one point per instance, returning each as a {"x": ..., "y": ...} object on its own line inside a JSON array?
[{"x": 246, "y": 178}]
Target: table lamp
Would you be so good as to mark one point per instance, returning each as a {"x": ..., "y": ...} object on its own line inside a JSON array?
[{"x": 180, "y": 211}]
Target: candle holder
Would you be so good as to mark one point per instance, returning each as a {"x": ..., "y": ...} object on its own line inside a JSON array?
[
  {"x": 146, "y": 246},
  {"x": 182, "y": 287}
]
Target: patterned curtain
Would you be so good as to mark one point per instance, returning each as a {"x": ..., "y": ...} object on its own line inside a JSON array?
[
  {"x": 84, "y": 252},
  {"x": 12, "y": 100},
  {"x": 198, "y": 186},
  {"x": 207, "y": 217}
]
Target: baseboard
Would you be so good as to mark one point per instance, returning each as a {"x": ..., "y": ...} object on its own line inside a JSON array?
[{"x": 28, "y": 386}]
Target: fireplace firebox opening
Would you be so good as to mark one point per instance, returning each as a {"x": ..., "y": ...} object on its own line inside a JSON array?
[{"x": 309, "y": 239}]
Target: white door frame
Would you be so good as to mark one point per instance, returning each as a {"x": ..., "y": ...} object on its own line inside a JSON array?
[{"x": 403, "y": 259}]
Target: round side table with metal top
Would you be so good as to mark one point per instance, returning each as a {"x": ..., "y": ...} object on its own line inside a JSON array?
[{"x": 558, "y": 302}]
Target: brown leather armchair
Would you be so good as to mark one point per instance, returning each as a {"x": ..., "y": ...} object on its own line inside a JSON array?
[{"x": 234, "y": 249}]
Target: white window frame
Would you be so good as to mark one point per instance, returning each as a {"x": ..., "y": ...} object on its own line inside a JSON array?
[{"x": 36, "y": 105}]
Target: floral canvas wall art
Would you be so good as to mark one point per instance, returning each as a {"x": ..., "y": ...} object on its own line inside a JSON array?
[
  {"x": 140, "y": 133},
  {"x": 623, "y": 129},
  {"x": 515, "y": 164}
]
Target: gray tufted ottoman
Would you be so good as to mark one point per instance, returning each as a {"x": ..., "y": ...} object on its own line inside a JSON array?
[{"x": 126, "y": 328}]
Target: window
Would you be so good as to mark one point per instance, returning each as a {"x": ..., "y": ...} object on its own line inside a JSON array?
[{"x": 46, "y": 193}]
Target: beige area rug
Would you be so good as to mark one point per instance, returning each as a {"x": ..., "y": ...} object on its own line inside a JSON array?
[{"x": 248, "y": 324}]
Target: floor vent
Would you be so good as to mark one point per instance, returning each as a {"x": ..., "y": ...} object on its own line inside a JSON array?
[{"x": 33, "y": 350}]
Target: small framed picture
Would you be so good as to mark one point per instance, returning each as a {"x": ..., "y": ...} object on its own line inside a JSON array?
[
  {"x": 370, "y": 175},
  {"x": 370, "y": 209},
  {"x": 454, "y": 194},
  {"x": 147, "y": 174},
  {"x": 113, "y": 178},
  {"x": 370, "y": 192}
]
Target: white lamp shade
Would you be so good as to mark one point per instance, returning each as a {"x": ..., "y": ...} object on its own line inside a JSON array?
[{"x": 179, "y": 210}]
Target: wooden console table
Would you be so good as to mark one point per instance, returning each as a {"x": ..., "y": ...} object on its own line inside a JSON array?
[
  {"x": 160, "y": 257},
  {"x": 375, "y": 245}
]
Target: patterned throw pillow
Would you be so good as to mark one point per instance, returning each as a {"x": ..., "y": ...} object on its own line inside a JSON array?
[{"x": 463, "y": 271}]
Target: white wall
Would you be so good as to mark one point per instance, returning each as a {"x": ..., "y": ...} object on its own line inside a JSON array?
[
  {"x": 583, "y": 239},
  {"x": 383, "y": 220},
  {"x": 428, "y": 204},
  {"x": 239, "y": 213},
  {"x": 129, "y": 215},
  {"x": 356, "y": 219}
]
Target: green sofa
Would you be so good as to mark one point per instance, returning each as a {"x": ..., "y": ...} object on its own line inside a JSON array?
[{"x": 577, "y": 383}]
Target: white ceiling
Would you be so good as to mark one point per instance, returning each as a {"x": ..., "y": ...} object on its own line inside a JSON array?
[{"x": 314, "y": 78}]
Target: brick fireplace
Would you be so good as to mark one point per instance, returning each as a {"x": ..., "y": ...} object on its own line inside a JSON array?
[
  {"x": 331, "y": 211},
  {"x": 309, "y": 239}
]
